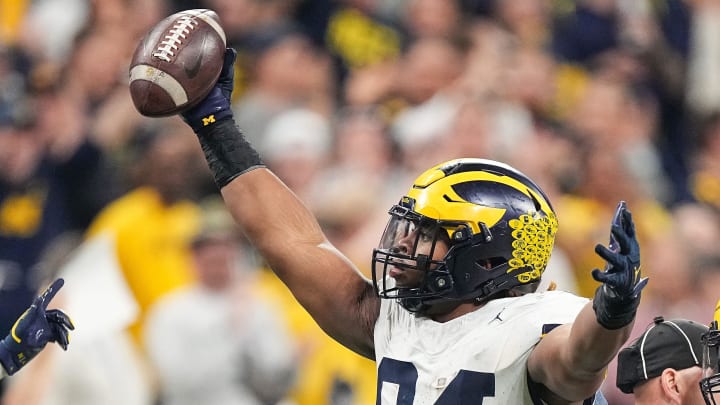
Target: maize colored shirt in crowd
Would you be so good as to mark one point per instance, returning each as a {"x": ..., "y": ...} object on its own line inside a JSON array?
[
  {"x": 152, "y": 244},
  {"x": 328, "y": 372},
  {"x": 587, "y": 217},
  {"x": 11, "y": 17}
]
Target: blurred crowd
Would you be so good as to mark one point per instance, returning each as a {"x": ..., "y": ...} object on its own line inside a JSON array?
[{"x": 347, "y": 101}]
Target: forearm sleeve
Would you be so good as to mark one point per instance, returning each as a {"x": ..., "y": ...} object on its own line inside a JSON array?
[{"x": 227, "y": 151}]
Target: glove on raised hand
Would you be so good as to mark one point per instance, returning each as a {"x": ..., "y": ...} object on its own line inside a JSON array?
[
  {"x": 216, "y": 105},
  {"x": 33, "y": 330},
  {"x": 226, "y": 150},
  {"x": 617, "y": 299}
]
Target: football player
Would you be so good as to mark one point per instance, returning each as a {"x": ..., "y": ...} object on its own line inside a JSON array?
[
  {"x": 710, "y": 384},
  {"x": 451, "y": 315},
  {"x": 33, "y": 330}
]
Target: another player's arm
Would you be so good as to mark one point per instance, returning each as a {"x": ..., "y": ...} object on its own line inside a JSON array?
[
  {"x": 571, "y": 360},
  {"x": 283, "y": 230},
  {"x": 33, "y": 330}
]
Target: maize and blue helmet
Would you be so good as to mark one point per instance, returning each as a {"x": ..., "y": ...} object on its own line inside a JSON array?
[{"x": 499, "y": 225}]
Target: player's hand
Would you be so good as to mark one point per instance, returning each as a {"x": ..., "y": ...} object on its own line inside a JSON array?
[
  {"x": 217, "y": 103},
  {"x": 34, "y": 329},
  {"x": 622, "y": 273},
  {"x": 617, "y": 299}
]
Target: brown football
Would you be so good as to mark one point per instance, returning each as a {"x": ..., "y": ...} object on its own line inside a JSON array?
[{"x": 177, "y": 63}]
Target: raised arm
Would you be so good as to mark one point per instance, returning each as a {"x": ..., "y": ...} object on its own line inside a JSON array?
[
  {"x": 283, "y": 230},
  {"x": 571, "y": 360}
]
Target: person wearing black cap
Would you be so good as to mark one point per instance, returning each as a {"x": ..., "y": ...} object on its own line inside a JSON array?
[{"x": 664, "y": 364}]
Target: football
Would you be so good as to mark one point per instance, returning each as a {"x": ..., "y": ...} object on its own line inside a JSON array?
[{"x": 177, "y": 63}]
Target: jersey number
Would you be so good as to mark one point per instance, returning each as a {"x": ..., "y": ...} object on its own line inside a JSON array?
[{"x": 468, "y": 387}]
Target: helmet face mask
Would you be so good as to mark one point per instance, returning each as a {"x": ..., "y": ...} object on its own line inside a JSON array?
[
  {"x": 405, "y": 263},
  {"x": 468, "y": 229},
  {"x": 710, "y": 383}
]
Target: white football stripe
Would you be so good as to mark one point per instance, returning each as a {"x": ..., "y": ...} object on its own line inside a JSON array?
[
  {"x": 200, "y": 13},
  {"x": 168, "y": 83}
]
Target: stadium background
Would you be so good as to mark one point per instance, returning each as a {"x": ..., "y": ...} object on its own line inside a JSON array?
[{"x": 347, "y": 100}]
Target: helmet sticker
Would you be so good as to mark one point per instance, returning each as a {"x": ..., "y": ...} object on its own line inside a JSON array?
[{"x": 533, "y": 238}]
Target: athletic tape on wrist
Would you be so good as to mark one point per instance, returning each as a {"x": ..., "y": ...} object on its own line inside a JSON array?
[{"x": 227, "y": 152}]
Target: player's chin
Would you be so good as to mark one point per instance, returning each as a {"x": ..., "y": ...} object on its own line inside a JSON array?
[
  {"x": 405, "y": 278},
  {"x": 396, "y": 273}
]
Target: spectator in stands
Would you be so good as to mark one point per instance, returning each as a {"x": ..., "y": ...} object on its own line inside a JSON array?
[
  {"x": 154, "y": 222},
  {"x": 217, "y": 342}
]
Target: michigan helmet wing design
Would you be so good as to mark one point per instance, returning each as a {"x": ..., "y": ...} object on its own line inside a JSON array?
[{"x": 498, "y": 229}]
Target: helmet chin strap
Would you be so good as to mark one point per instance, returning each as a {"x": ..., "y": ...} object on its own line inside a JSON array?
[{"x": 419, "y": 307}]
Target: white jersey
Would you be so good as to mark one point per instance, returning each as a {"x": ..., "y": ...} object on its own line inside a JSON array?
[{"x": 478, "y": 358}]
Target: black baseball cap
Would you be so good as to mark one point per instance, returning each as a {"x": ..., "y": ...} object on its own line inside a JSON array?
[{"x": 674, "y": 343}]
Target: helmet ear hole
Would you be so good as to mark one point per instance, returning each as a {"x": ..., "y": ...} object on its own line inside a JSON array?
[{"x": 491, "y": 262}]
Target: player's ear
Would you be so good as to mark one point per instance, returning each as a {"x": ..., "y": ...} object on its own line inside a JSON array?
[{"x": 669, "y": 383}]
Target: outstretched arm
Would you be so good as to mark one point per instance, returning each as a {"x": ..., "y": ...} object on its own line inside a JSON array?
[
  {"x": 283, "y": 230},
  {"x": 571, "y": 360},
  {"x": 33, "y": 330}
]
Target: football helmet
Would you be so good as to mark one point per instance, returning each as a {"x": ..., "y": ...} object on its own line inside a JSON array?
[
  {"x": 498, "y": 229},
  {"x": 710, "y": 383}
]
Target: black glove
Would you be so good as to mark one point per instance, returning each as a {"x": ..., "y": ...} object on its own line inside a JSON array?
[
  {"x": 226, "y": 150},
  {"x": 33, "y": 330},
  {"x": 617, "y": 299},
  {"x": 216, "y": 105}
]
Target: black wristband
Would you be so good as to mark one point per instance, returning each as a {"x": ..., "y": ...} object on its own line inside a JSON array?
[
  {"x": 613, "y": 311},
  {"x": 227, "y": 152}
]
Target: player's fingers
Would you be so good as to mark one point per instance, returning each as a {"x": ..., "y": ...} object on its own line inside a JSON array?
[
  {"x": 59, "y": 335},
  {"x": 228, "y": 63},
  {"x": 227, "y": 74},
  {"x": 44, "y": 299},
  {"x": 609, "y": 256},
  {"x": 628, "y": 224},
  {"x": 599, "y": 275},
  {"x": 59, "y": 317},
  {"x": 230, "y": 56},
  {"x": 622, "y": 238},
  {"x": 63, "y": 337}
]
